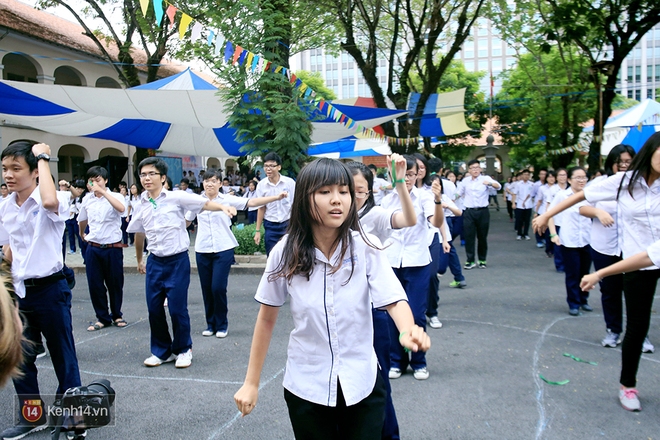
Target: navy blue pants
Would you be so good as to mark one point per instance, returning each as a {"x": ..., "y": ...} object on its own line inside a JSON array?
[
  {"x": 168, "y": 277},
  {"x": 434, "y": 284},
  {"x": 213, "y": 269},
  {"x": 611, "y": 292},
  {"x": 639, "y": 289},
  {"x": 105, "y": 274},
  {"x": 476, "y": 222},
  {"x": 451, "y": 259},
  {"x": 251, "y": 217},
  {"x": 274, "y": 231},
  {"x": 47, "y": 311},
  {"x": 415, "y": 281},
  {"x": 73, "y": 231},
  {"x": 382, "y": 344},
  {"x": 523, "y": 217},
  {"x": 577, "y": 262}
]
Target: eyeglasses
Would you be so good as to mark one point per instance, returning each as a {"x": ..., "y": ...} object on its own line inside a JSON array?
[
  {"x": 579, "y": 178},
  {"x": 361, "y": 195},
  {"x": 271, "y": 166},
  {"x": 411, "y": 175},
  {"x": 151, "y": 175},
  {"x": 622, "y": 163},
  {"x": 474, "y": 168}
]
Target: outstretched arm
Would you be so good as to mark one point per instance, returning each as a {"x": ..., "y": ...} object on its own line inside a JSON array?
[
  {"x": 540, "y": 223},
  {"x": 636, "y": 262},
  {"x": 412, "y": 337},
  {"x": 406, "y": 217},
  {"x": 246, "y": 397},
  {"x": 261, "y": 201}
]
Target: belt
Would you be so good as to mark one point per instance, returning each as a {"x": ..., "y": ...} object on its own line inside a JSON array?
[
  {"x": 50, "y": 279},
  {"x": 119, "y": 244},
  {"x": 483, "y": 207}
]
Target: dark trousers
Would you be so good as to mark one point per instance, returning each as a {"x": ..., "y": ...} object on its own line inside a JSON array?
[
  {"x": 639, "y": 290},
  {"x": 251, "y": 217},
  {"x": 577, "y": 262},
  {"x": 124, "y": 234},
  {"x": 611, "y": 290},
  {"x": 274, "y": 231},
  {"x": 362, "y": 421},
  {"x": 415, "y": 281},
  {"x": 559, "y": 258},
  {"x": 105, "y": 268},
  {"x": 509, "y": 209},
  {"x": 73, "y": 231},
  {"x": 549, "y": 245},
  {"x": 47, "y": 310},
  {"x": 523, "y": 217},
  {"x": 456, "y": 226},
  {"x": 382, "y": 343},
  {"x": 451, "y": 259},
  {"x": 168, "y": 277},
  {"x": 213, "y": 269},
  {"x": 434, "y": 284},
  {"x": 476, "y": 222}
]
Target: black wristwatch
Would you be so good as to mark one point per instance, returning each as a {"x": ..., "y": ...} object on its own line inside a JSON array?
[
  {"x": 438, "y": 203},
  {"x": 43, "y": 156}
]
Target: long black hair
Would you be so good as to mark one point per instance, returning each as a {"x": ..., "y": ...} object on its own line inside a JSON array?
[
  {"x": 360, "y": 168},
  {"x": 299, "y": 250},
  {"x": 420, "y": 157},
  {"x": 614, "y": 156},
  {"x": 80, "y": 184},
  {"x": 641, "y": 163}
]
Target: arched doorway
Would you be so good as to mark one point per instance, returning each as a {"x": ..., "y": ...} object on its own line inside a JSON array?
[
  {"x": 71, "y": 162},
  {"x": 105, "y": 82},
  {"x": 68, "y": 76},
  {"x": 109, "y": 151},
  {"x": 213, "y": 162},
  {"x": 19, "y": 68}
]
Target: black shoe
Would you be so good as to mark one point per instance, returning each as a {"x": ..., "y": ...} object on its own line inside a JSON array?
[
  {"x": 40, "y": 350},
  {"x": 20, "y": 431},
  {"x": 587, "y": 308}
]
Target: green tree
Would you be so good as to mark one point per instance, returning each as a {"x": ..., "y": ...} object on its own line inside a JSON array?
[{"x": 316, "y": 82}]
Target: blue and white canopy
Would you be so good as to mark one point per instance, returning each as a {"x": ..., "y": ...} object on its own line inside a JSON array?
[
  {"x": 350, "y": 147},
  {"x": 181, "y": 114}
]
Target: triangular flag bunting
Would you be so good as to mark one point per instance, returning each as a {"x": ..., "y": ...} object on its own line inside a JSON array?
[
  {"x": 237, "y": 53},
  {"x": 196, "y": 31},
  {"x": 209, "y": 39},
  {"x": 228, "y": 51},
  {"x": 158, "y": 11},
  {"x": 171, "y": 12},
  {"x": 144, "y": 6},
  {"x": 219, "y": 43},
  {"x": 242, "y": 57},
  {"x": 183, "y": 24}
]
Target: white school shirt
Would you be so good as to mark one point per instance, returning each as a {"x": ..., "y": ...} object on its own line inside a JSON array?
[
  {"x": 409, "y": 247},
  {"x": 165, "y": 225},
  {"x": 605, "y": 240},
  {"x": 332, "y": 338},
  {"x": 378, "y": 184},
  {"x": 251, "y": 195},
  {"x": 524, "y": 194},
  {"x": 214, "y": 227},
  {"x": 474, "y": 192},
  {"x": 103, "y": 220},
  {"x": 575, "y": 229},
  {"x": 549, "y": 196},
  {"x": 540, "y": 196},
  {"x": 639, "y": 217},
  {"x": 449, "y": 189},
  {"x": 280, "y": 210},
  {"x": 654, "y": 253},
  {"x": 34, "y": 235},
  {"x": 378, "y": 222}
]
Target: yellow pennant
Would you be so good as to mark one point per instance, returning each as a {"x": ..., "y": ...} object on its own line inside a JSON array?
[
  {"x": 183, "y": 25},
  {"x": 144, "y": 5}
]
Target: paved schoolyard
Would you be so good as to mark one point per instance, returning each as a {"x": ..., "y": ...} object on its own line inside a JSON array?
[{"x": 508, "y": 326}]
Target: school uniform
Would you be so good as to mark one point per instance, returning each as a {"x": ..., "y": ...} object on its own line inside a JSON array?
[
  {"x": 252, "y": 210},
  {"x": 72, "y": 225},
  {"x": 331, "y": 377},
  {"x": 507, "y": 196},
  {"x": 550, "y": 248},
  {"x": 524, "y": 204},
  {"x": 476, "y": 217},
  {"x": 639, "y": 219},
  {"x": 539, "y": 191},
  {"x": 408, "y": 254},
  {"x": 124, "y": 221},
  {"x": 278, "y": 213},
  {"x": 168, "y": 266},
  {"x": 378, "y": 184},
  {"x": 34, "y": 235},
  {"x": 214, "y": 252},
  {"x": 574, "y": 236},
  {"x": 605, "y": 251},
  {"x": 450, "y": 260},
  {"x": 104, "y": 256}
]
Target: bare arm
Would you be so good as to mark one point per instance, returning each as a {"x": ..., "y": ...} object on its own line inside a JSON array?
[
  {"x": 630, "y": 264},
  {"x": 214, "y": 206},
  {"x": 438, "y": 218},
  {"x": 260, "y": 219},
  {"x": 540, "y": 223},
  {"x": 412, "y": 336},
  {"x": 47, "y": 190},
  {"x": 406, "y": 217},
  {"x": 246, "y": 397},
  {"x": 603, "y": 216},
  {"x": 82, "y": 225},
  {"x": 139, "y": 249},
  {"x": 260, "y": 201}
]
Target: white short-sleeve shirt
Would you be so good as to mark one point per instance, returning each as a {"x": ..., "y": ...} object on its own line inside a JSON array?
[
  {"x": 280, "y": 210},
  {"x": 214, "y": 227},
  {"x": 332, "y": 338},
  {"x": 575, "y": 229},
  {"x": 163, "y": 220},
  {"x": 34, "y": 235},
  {"x": 103, "y": 220},
  {"x": 378, "y": 222}
]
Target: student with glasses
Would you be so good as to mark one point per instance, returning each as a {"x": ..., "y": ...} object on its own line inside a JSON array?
[
  {"x": 160, "y": 216},
  {"x": 275, "y": 215},
  {"x": 476, "y": 217}
]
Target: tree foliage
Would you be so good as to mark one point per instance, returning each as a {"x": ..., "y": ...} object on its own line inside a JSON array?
[{"x": 317, "y": 83}]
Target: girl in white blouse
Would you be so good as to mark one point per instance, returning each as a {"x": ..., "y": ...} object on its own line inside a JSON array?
[
  {"x": 637, "y": 192},
  {"x": 332, "y": 274},
  {"x": 573, "y": 238}
]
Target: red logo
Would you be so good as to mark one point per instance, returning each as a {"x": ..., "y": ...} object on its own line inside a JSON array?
[{"x": 32, "y": 410}]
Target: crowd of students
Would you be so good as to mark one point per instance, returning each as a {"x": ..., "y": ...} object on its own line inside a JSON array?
[{"x": 334, "y": 224}]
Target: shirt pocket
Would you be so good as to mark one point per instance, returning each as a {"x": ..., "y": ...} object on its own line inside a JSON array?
[{"x": 168, "y": 217}]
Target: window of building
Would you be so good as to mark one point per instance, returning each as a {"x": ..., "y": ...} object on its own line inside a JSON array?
[
  {"x": 649, "y": 73},
  {"x": 638, "y": 73},
  {"x": 496, "y": 65},
  {"x": 657, "y": 72},
  {"x": 468, "y": 54},
  {"x": 483, "y": 65},
  {"x": 638, "y": 95},
  {"x": 630, "y": 94},
  {"x": 510, "y": 63},
  {"x": 483, "y": 53},
  {"x": 483, "y": 43},
  {"x": 630, "y": 72},
  {"x": 469, "y": 65},
  {"x": 510, "y": 50}
]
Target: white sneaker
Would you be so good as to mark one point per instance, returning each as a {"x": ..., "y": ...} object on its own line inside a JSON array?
[
  {"x": 434, "y": 322},
  {"x": 154, "y": 361},
  {"x": 647, "y": 347},
  {"x": 519, "y": 237},
  {"x": 207, "y": 333},
  {"x": 629, "y": 400},
  {"x": 184, "y": 360},
  {"x": 394, "y": 373},
  {"x": 221, "y": 334},
  {"x": 421, "y": 374},
  {"x": 611, "y": 339}
]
